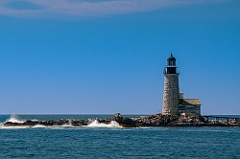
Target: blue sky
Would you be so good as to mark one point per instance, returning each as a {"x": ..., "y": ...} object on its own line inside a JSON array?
[{"x": 75, "y": 56}]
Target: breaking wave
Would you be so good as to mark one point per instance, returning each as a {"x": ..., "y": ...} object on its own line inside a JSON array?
[
  {"x": 93, "y": 124},
  {"x": 14, "y": 119},
  {"x": 13, "y": 127},
  {"x": 38, "y": 126},
  {"x": 96, "y": 124}
]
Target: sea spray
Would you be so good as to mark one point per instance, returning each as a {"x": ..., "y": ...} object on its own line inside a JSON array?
[
  {"x": 14, "y": 119},
  {"x": 96, "y": 124}
]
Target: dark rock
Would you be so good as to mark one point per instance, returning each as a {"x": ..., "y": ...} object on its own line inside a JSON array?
[{"x": 143, "y": 121}]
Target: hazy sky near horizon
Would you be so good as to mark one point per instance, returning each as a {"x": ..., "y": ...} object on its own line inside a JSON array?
[{"x": 107, "y": 56}]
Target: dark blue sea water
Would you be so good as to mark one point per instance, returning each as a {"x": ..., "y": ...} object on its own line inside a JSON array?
[{"x": 112, "y": 142}]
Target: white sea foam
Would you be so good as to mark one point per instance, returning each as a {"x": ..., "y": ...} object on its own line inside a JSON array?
[
  {"x": 67, "y": 125},
  {"x": 13, "y": 127},
  {"x": 96, "y": 124},
  {"x": 14, "y": 119},
  {"x": 34, "y": 127},
  {"x": 38, "y": 126}
]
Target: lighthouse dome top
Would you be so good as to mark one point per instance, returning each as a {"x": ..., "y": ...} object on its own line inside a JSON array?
[{"x": 171, "y": 61}]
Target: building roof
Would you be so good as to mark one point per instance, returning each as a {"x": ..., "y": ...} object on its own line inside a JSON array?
[
  {"x": 190, "y": 101},
  {"x": 171, "y": 58}
]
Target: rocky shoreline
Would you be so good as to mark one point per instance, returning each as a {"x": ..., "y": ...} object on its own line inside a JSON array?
[{"x": 156, "y": 120}]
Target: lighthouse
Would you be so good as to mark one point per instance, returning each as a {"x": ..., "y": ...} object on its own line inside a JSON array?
[{"x": 171, "y": 88}]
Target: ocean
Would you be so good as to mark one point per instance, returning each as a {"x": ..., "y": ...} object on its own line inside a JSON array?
[{"x": 112, "y": 141}]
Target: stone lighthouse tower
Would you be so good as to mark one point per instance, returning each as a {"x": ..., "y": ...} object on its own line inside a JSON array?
[{"x": 171, "y": 88}]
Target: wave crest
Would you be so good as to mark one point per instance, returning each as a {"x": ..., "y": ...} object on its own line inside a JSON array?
[
  {"x": 96, "y": 124},
  {"x": 15, "y": 119}
]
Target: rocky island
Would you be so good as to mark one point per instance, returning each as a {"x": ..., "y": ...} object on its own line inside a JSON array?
[{"x": 156, "y": 120}]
